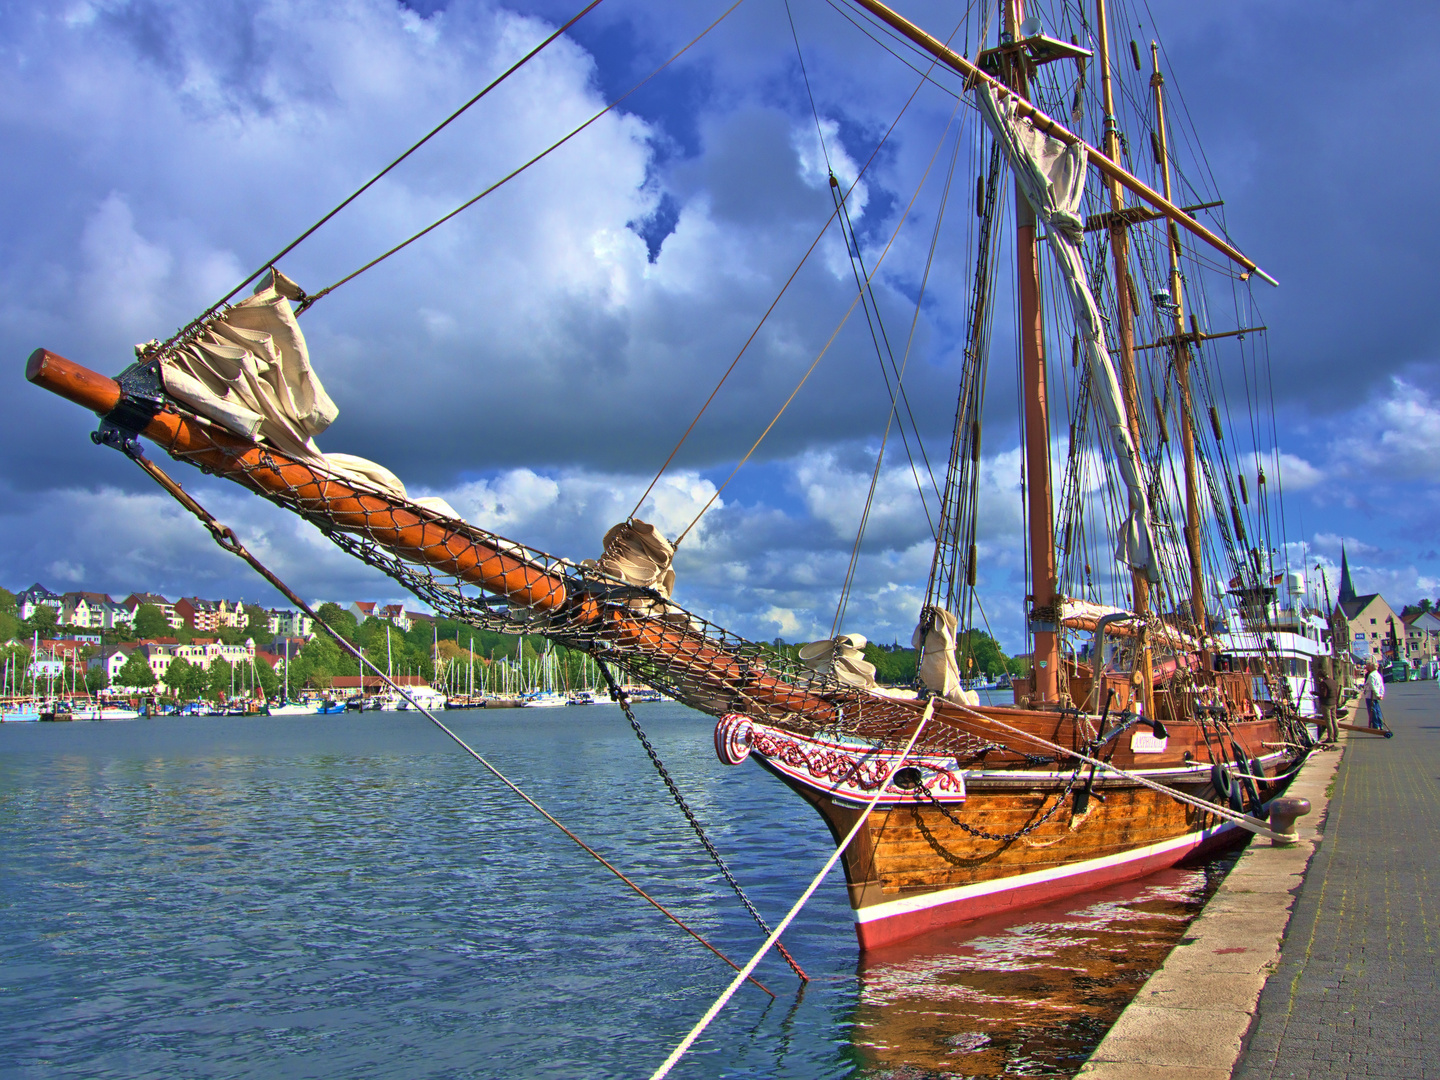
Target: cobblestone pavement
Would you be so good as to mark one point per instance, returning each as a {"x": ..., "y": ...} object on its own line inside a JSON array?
[{"x": 1355, "y": 994}]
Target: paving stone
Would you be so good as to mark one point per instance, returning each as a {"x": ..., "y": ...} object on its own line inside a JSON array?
[{"x": 1353, "y": 994}]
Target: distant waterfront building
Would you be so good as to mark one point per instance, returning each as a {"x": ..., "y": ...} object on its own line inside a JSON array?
[
  {"x": 167, "y": 609},
  {"x": 295, "y": 624},
  {"x": 202, "y": 616},
  {"x": 110, "y": 660},
  {"x": 1422, "y": 637},
  {"x": 205, "y": 651},
  {"x": 94, "y": 611},
  {"x": 1375, "y": 629},
  {"x": 396, "y": 616},
  {"x": 35, "y": 597},
  {"x": 47, "y": 668}
]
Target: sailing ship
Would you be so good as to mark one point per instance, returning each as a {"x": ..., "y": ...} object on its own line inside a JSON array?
[{"x": 989, "y": 810}]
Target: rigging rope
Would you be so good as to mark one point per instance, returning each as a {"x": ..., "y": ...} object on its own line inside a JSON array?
[
  {"x": 226, "y": 538},
  {"x": 780, "y": 295},
  {"x": 624, "y": 700},
  {"x": 859, "y": 295},
  {"x": 378, "y": 176},
  {"x": 309, "y": 300},
  {"x": 1245, "y": 821},
  {"x": 714, "y": 1010}
]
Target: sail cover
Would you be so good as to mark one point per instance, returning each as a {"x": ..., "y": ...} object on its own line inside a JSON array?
[{"x": 1052, "y": 176}]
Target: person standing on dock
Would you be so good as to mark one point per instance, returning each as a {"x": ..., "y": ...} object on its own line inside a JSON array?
[
  {"x": 1374, "y": 693},
  {"x": 1327, "y": 694}
]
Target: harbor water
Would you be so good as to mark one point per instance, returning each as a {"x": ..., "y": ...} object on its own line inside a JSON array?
[{"x": 352, "y": 896}]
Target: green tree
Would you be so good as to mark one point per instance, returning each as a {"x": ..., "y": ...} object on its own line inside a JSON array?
[
  {"x": 267, "y": 677},
  {"x": 8, "y": 604},
  {"x": 136, "y": 673},
  {"x": 179, "y": 677},
  {"x": 257, "y": 623},
  {"x": 42, "y": 621},
  {"x": 338, "y": 619},
  {"x": 9, "y": 626},
  {"x": 96, "y": 679},
  {"x": 149, "y": 622},
  {"x": 219, "y": 677}
]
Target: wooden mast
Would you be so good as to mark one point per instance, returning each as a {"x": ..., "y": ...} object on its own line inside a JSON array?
[
  {"x": 1182, "y": 367},
  {"x": 1051, "y": 127},
  {"x": 1125, "y": 325},
  {"x": 1044, "y": 583}
]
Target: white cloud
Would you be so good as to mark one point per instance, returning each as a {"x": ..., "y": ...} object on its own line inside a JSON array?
[{"x": 1394, "y": 437}]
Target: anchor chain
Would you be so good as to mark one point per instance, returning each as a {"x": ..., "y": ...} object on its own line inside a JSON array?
[
  {"x": 710, "y": 849},
  {"x": 1006, "y": 838}
]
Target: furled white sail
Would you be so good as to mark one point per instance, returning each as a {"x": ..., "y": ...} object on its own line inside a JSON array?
[
  {"x": 934, "y": 638},
  {"x": 636, "y": 552},
  {"x": 248, "y": 370},
  {"x": 1052, "y": 176},
  {"x": 842, "y": 657}
]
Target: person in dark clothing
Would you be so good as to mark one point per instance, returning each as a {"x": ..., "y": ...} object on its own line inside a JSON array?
[{"x": 1327, "y": 696}]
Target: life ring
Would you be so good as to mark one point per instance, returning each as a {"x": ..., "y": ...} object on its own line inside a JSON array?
[{"x": 732, "y": 738}]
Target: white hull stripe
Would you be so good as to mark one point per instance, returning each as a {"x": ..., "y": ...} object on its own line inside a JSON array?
[{"x": 911, "y": 904}]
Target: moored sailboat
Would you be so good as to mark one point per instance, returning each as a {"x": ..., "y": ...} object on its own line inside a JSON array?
[{"x": 991, "y": 809}]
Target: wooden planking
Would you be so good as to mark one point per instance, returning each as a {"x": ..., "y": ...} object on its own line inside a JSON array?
[{"x": 910, "y": 849}]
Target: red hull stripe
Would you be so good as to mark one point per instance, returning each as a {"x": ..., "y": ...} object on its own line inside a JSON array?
[{"x": 883, "y": 924}]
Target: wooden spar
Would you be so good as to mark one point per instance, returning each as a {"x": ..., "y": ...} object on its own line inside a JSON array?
[
  {"x": 1182, "y": 367},
  {"x": 1044, "y": 583},
  {"x": 1125, "y": 320},
  {"x": 268, "y": 472},
  {"x": 1056, "y": 130}
]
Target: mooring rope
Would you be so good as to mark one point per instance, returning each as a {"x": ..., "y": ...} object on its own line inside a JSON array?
[
  {"x": 226, "y": 538},
  {"x": 714, "y": 1010}
]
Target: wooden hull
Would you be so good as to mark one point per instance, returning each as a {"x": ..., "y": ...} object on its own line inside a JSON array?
[{"x": 915, "y": 867}]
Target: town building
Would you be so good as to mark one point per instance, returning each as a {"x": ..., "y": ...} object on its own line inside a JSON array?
[
  {"x": 133, "y": 602},
  {"x": 1374, "y": 629},
  {"x": 35, "y": 597},
  {"x": 1422, "y": 637},
  {"x": 286, "y": 623},
  {"x": 202, "y": 616},
  {"x": 94, "y": 611},
  {"x": 110, "y": 660},
  {"x": 396, "y": 616}
]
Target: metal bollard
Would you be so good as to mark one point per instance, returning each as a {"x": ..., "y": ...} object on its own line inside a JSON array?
[{"x": 1283, "y": 812}]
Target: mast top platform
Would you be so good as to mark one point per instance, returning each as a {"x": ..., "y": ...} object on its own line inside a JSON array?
[{"x": 1038, "y": 49}]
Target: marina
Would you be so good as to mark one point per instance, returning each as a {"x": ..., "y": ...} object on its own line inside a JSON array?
[{"x": 1008, "y": 714}]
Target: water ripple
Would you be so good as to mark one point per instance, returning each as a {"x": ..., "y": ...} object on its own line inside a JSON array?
[{"x": 354, "y": 897}]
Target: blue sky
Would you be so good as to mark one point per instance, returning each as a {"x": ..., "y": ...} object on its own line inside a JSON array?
[{"x": 536, "y": 362}]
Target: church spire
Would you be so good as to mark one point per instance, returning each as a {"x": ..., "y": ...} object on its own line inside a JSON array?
[{"x": 1347, "y": 585}]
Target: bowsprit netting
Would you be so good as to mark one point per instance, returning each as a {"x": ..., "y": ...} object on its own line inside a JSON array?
[{"x": 476, "y": 577}]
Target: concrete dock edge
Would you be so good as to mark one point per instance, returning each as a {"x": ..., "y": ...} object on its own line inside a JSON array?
[{"x": 1191, "y": 1018}]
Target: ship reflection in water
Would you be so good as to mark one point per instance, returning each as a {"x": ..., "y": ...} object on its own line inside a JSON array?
[{"x": 1029, "y": 994}]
